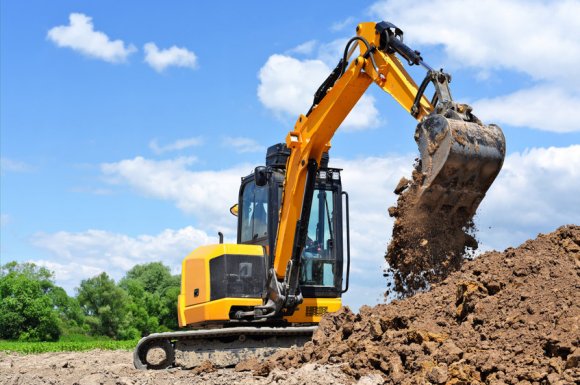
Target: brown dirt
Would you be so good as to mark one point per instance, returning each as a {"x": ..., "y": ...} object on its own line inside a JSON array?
[
  {"x": 425, "y": 248},
  {"x": 155, "y": 356},
  {"x": 509, "y": 317},
  {"x": 116, "y": 368}
]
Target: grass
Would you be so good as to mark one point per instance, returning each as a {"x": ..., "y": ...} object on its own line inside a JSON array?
[{"x": 66, "y": 344}]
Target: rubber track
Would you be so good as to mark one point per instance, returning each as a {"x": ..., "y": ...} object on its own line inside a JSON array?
[{"x": 145, "y": 342}]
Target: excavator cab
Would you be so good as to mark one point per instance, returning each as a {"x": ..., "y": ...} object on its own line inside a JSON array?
[
  {"x": 226, "y": 282},
  {"x": 258, "y": 216}
]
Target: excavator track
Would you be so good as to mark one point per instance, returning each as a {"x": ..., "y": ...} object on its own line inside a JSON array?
[{"x": 223, "y": 347}]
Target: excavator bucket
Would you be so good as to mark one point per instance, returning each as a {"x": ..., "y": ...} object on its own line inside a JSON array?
[
  {"x": 460, "y": 158},
  {"x": 459, "y": 162}
]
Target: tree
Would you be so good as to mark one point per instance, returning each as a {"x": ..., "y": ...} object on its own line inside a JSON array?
[
  {"x": 169, "y": 301},
  {"x": 105, "y": 304},
  {"x": 153, "y": 292},
  {"x": 154, "y": 276},
  {"x": 68, "y": 308},
  {"x": 27, "y": 310},
  {"x": 142, "y": 317}
]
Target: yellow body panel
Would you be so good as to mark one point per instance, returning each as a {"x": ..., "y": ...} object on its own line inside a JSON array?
[
  {"x": 218, "y": 310},
  {"x": 195, "y": 279},
  {"x": 196, "y": 309},
  {"x": 309, "y": 311},
  {"x": 312, "y": 310}
]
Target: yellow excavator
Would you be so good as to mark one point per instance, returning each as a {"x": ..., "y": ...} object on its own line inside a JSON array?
[{"x": 291, "y": 262}]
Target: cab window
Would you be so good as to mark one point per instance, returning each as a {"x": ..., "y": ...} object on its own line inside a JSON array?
[
  {"x": 318, "y": 257},
  {"x": 254, "y": 218}
]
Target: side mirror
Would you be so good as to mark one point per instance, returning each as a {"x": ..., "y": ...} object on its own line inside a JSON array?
[{"x": 260, "y": 176}]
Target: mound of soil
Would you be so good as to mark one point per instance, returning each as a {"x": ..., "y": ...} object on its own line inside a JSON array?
[
  {"x": 425, "y": 248},
  {"x": 509, "y": 317}
]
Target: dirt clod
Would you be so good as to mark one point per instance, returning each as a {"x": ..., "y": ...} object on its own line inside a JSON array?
[{"x": 205, "y": 367}]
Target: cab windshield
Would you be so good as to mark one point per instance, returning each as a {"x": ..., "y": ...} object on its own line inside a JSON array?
[{"x": 318, "y": 257}]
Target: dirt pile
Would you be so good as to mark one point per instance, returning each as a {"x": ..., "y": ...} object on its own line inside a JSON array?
[
  {"x": 509, "y": 317},
  {"x": 425, "y": 248}
]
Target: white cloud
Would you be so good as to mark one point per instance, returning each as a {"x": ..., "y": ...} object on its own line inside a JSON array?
[
  {"x": 287, "y": 84},
  {"x": 304, "y": 48},
  {"x": 11, "y": 165},
  {"x": 539, "y": 188},
  {"x": 207, "y": 194},
  {"x": 332, "y": 52},
  {"x": 160, "y": 59},
  {"x": 80, "y": 36},
  {"x": 363, "y": 116},
  {"x": 243, "y": 145},
  {"x": 178, "y": 145},
  {"x": 370, "y": 183},
  {"x": 4, "y": 219},
  {"x": 544, "y": 108},
  {"x": 287, "y": 87},
  {"x": 340, "y": 25},
  {"x": 536, "y": 38},
  {"x": 113, "y": 252}
]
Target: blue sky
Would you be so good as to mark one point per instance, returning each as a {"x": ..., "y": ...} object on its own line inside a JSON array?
[{"x": 125, "y": 126}]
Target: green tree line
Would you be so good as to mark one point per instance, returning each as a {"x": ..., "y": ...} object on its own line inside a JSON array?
[{"x": 34, "y": 308}]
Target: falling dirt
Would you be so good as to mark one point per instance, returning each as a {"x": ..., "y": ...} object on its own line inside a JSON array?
[
  {"x": 509, "y": 317},
  {"x": 425, "y": 248}
]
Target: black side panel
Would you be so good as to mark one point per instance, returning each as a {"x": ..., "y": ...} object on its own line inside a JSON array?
[
  {"x": 241, "y": 276},
  {"x": 277, "y": 155}
]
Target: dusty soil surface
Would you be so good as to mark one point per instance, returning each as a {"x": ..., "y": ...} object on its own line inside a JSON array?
[
  {"x": 116, "y": 368},
  {"x": 425, "y": 247},
  {"x": 509, "y": 317}
]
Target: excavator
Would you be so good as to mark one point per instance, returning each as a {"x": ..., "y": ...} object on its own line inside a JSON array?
[{"x": 291, "y": 262}]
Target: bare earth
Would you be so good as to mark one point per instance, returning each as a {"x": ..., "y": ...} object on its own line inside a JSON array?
[
  {"x": 509, "y": 317},
  {"x": 116, "y": 368}
]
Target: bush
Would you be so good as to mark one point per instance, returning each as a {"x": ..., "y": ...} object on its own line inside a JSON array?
[{"x": 27, "y": 311}]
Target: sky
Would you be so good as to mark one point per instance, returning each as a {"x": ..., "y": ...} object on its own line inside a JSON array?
[{"x": 125, "y": 126}]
